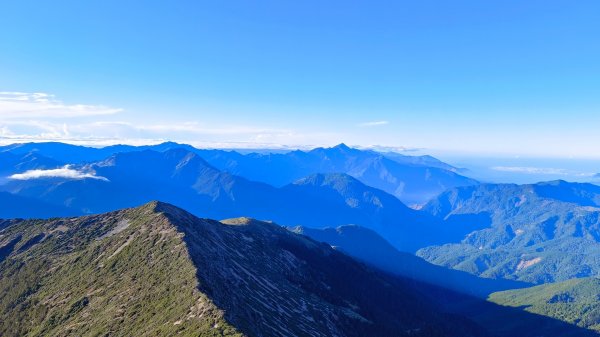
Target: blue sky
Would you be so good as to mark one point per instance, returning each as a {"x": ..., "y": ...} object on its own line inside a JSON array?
[{"x": 480, "y": 77}]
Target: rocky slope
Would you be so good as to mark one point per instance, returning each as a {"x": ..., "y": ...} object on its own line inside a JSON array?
[{"x": 157, "y": 270}]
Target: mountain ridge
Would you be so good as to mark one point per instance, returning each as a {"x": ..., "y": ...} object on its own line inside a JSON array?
[{"x": 159, "y": 270}]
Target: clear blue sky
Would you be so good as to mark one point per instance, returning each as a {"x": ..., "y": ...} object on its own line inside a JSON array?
[{"x": 502, "y": 77}]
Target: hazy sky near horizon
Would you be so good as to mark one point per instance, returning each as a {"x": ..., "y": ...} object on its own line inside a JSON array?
[{"x": 482, "y": 77}]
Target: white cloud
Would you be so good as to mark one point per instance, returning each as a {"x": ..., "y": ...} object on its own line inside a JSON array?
[
  {"x": 531, "y": 170},
  {"x": 109, "y": 132},
  {"x": 541, "y": 170},
  {"x": 19, "y": 105},
  {"x": 374, "y": 123},
  {"x": 198, "y": 128},
  {"x": 41, "y": 117},
  {"x": 385, "y": 148},
  {"x": 65, "y": 172}
]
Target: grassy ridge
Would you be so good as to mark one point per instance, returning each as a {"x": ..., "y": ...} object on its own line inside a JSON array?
[{"x": 82, "y": 279}]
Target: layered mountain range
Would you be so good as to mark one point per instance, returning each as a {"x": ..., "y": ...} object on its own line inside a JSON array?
[
  {"x": 182, "y": 177},
  {"x": 412, "y": 179},
  {"x": 471, "y": 240}
]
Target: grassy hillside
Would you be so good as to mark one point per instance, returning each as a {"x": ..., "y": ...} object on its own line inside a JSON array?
[
  {"x": 574, "y": 301},
  {"x": 157, "y": 270},
  {"x": 538, "y": 233},
  {"x": 111, "y": 275}
]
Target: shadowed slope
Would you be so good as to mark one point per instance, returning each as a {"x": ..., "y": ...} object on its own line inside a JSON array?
[
  {"x": 366, "y": 245},
  {"x": 157, "y": 270}
]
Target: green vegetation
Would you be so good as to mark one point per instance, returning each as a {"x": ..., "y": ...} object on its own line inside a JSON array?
[
  {"x": 574, "y": 301},
  {"x": 541, "y": 233},
  {"x": 157, "y": 270},
  {"x": 82, "y": 279}
]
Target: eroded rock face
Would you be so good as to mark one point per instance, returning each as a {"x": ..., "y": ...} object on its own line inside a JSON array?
[
  {"x": 157, "y": 270},
  {"x": 271, "y": 282}
]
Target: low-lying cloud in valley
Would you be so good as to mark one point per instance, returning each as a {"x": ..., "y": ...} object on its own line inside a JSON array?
[{"x": 65, "y": 172}]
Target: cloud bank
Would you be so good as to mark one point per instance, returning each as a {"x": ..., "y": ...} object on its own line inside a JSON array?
[
  {"x": 65, "y": 172},
  {"x": 542, "y": 170},
  {"x": 42, "y": 117}
]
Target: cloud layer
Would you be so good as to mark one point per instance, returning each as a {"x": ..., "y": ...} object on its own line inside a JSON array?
[
  {"x": 541, "y": 170},
  {"x": 65, "y": 172},
  {"x": 530, "y": 170},
  {"x": 42, "y": 117}
]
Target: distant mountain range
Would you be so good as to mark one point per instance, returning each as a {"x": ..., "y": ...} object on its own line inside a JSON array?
[
  {"x": 183, "y": 178},
  {"x": 536, "y": 233},
  {"x": 15, "y": 206},
  {"x": 412, "y": 179}
]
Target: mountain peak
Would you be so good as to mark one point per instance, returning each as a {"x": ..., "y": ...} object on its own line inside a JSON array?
[
  {"x": 557, "y": 182},
  {"x": 169, "y": 143},
  {"x": 159, "y": 206},
  {"x": 342, "y": 146},
  {"x": 176, "y": 215}
]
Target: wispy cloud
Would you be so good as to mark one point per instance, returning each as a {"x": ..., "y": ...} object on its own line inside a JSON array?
[
  {"x": 373, "y": 123},
  {"x": 22, "y": 105},
  {"x": 39, "y": 117},
  {"x": 385, "y": 148},
  {"x": 109, "y": 132},
  {"x": 541, "y": 170},
  {"x": 65, "y": 172},
  {"x": 531, "y": 170}
]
